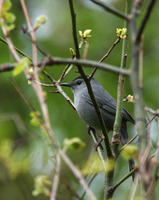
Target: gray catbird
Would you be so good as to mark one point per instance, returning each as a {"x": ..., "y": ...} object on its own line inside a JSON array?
[{"x": 106, "y": 103}]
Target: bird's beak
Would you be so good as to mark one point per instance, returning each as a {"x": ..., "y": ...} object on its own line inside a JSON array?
[{"x": 66, "y": 84}]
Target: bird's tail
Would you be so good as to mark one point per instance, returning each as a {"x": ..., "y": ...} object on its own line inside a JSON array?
[{"x": 124, "y": 140}]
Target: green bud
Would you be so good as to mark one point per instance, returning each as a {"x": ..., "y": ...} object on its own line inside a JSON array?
[{"x": 41, "y": 20}]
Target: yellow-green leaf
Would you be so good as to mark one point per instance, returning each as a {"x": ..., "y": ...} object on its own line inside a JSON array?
[
  {"x": 9, "y": 17},
  {"x": 93, "y": 166},
  {"x": 41, "y": 184},
  {"x": 34, "y": 118},
  {"x": 130, "y": 151},
  {"x": 25, "y": 62},
  {"x": 109, "y": 165},
  {"x": 7, "y": 27},
  {"x": 7, "y": 5}
]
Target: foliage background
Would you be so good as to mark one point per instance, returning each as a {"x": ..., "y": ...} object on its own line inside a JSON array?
[{"x": 56, "y": 38}]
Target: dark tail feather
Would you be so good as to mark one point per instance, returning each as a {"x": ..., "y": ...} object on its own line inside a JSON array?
[
  {"x": 131, "y": 167},
  {"x": 124, "y": 140}
]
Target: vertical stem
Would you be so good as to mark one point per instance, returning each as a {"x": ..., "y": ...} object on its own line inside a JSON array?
[
  {"x": 145, "y": 168},
  {"x": 117, "y": 123}
]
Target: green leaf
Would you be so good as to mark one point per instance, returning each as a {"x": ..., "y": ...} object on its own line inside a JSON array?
[
  {"x": 130, "y": 151},
  {"x": 41, "y": 184},
  {"x": 13, "y": 160},
  {"x": 74, "y": 144},
  {"x": 93, "y": 166},
  {"x": 21, "y": 66},
  {"x": 7, "y": 5},
  {"x": 9, "y": 27},
  {"x": 109, "y": 165},
  {"x": 9, "y": 17},
  {"x": 34, "y": 118}
]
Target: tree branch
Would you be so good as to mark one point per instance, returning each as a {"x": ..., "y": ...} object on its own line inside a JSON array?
[
  {"x": 105, "y": 56},
  {"x": 111, "y": 10},
  {"x": 18, "y": 50},
  {"x": 145, "y": 20},
  {"x": 56, "y": 178},
  {"x": 84, "y": 63},
  {"x": 78, "y": 175}
]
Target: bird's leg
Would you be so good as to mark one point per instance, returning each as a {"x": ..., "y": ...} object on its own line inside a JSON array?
[
  {"x": 116, "y": 139},
  {"x": 100, "y": 142},
  {"x": 91, "y": 130}
]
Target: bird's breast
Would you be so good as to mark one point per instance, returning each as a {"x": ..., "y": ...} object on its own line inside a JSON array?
[{"x": 86, "y": 112}]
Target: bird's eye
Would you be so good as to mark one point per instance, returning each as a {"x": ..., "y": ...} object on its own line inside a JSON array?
[{"x": 79, "y": 82}]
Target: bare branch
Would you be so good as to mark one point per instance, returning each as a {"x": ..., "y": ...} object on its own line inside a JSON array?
[
  {"x": 77, "y": 174},
  {"x": 130, "y": 141},
  {"x": 37, "y": 87},
  {"x": 56, "y": 178},
  {"x": 145, "y": 19},
  {"x": 104, "y": 57},
  {"x": 84, "y": 63},
  {"x": 111, "y": 10},
  {"x": 18, "y": 50},
  {"x": 114, "y": 187}
]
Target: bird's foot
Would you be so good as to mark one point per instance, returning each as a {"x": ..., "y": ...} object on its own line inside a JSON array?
[
  {"x": 99, "y": 144},
  {"x": 91, "y": 130},
  {"x": 115, "y": 139}
]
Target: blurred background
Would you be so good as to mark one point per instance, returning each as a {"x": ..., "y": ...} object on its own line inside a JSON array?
[{"x": 24, "y": 151}]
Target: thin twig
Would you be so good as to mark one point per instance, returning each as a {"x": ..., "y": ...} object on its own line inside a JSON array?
[
  {"x": 85, "y": 50},
  {"x": 111, "y": 10},
  {"x": 37, "y": 87},
  {"x": 117, "y": 122},
  {"x": 56, "y": 178},
  {"x": 130, "y": 141},
  {"x": 59, "y": 89},
  {"x": 145, "y": 20},
  {"x": 104, "y": 57},
  {"x": 134, "y": 188},
  {"x": 98, "y": 149},
  {"x": 149, "y": 122},
  {"x": 66, "y": 70},
  {"x": 25, "y": 31},
  {"x": 25, "y": 99},
  {"x": 157, "y": 147},
  {"x": 84, "y": 63},
  {"x": 17, "y": 50},
  {"x": 73, "y": 193},
  {"x": 89, "y": 183},
  {"x": 114, "y": 187},
  {"x": 145, "y": 168},
  {"x": 77, "y": 174}
]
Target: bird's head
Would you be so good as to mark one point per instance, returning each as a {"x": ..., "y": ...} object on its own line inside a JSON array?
[{"x": 76, "y": 85}]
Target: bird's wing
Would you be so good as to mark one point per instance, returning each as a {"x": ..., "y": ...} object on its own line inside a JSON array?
[{"x": 106, "y": 102}]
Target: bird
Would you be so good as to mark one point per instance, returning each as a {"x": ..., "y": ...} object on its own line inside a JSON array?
[{"x": 107, "y": 106}]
